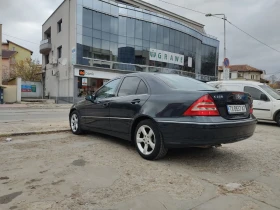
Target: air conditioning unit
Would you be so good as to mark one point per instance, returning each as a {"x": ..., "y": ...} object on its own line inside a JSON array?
[{"x": 54, "y": 72}]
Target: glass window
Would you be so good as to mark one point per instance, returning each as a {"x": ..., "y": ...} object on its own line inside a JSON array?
[
  {"x": 114, "y": 25},
  {"x": 254, "y": 92},
  {"x": 114, "y": 48},
  {"x": 160, "y": 34},
  {"x": 87, "y": 41},
  {"x": 79, "y": 39},
  {"x": 159, "y": 46},
  {"x": 146, "y": 44},
  {"x": 122, "y": 39},
  {"x": 79, "y": 15},
  {"x": 153, "y": 33},
  {"x": 105, "y": 45},
  {"x": 147, "y": 16},
  {"x": 146, "y": 31},
  {"x": 271, "y": 92},
  {"x": 184, "y": 83},
  {"x": 186, "y": 41},
  {"x": 139, "y": 15},
  {"x": 108, "y": 90},
  {"x": 166, "y": 35},
  {"x": 130, "y": 41},
  {"x": 59, "y": 52},
  {"x": 129, "y": 86},
  {"x": 142, "y": 88},
  {"x": 96, "y": 43},
  {"x": 97, "y": 20},
  {"x": 106, "y": 7},
  {"x": 87, "y": 18},
  {"x": 190, "y": 42},
  {"x": 97, "y": 5},
  {"x": 177, "y": 39},
  {"x": 106, "y": 23},
  {"x": 79, "y": 29},
  {"x": 122, "y": 11},
  {"x": 130, "y": 29},
  {"x": 59, "y": 26},
  {"x": 113, "y": 38},
  {"x": 131, "y": 13},
  {"x": 96, "y": 34},
  {"x": 105, "y": 36},
  {"x": 87, "y": 31},
  {"x": 194, "y": 45},
  {"x": 138, "y": 29},
  {"x": 87, "y": 3},
  {"x": 122, "y": 26},
  {"x": 153, "y": 45},
  {"x": 166, "y": 48},
  {"x": 114, "y": 10},
  {"x": 182, "y": 40},
  {"x": 167, "y": 22},
  {"x": 172, "y": 37},
  {"x": 138, "y": 42}
]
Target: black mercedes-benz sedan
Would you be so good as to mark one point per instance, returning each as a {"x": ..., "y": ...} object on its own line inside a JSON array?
[{"x": 162, "y": 111}]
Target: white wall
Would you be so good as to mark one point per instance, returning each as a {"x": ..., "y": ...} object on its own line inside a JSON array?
[{"x": 37, "y": 94}]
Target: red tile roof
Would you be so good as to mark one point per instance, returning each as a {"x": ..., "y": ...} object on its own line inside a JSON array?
[
  {"x": 8, "y": 53},
  {"x": 243, "y": 68}
]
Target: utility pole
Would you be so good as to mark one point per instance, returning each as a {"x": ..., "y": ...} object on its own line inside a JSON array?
[{"x": 1, "y": 73}]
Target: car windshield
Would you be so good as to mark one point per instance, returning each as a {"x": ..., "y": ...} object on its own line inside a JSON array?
[
  {"x": 271, "y": 91},
  {"x": 185, "y": 83}
]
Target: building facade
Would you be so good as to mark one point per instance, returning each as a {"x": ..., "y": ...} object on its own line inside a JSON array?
[
  {"x": 88, "y": 42},
  {"x": 243, "y": 72}
]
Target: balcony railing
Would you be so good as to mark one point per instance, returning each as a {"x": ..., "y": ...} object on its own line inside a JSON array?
[
  {"x": 45, "y": 46},
  {"x": 143, "y": 68}
]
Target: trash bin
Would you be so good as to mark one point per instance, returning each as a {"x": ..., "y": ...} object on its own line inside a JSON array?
[{"x": 1, "y": 95}]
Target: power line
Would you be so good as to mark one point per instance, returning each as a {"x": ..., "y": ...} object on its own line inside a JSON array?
[
  {"x": 253, "y": 37},
  {"x": 20, "y": 39},
  {"x": 227, "y": 21}
]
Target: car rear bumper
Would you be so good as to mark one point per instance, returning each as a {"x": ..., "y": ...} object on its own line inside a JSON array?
[{"x": 190, "y": 134}]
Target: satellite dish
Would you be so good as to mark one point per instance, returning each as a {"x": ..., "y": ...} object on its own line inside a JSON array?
[{"x": 64, "y": 61}]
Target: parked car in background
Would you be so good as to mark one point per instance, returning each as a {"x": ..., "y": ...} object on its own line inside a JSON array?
[
  {"x": 162, "y": 111},
  {"x": 266, "y": 104}
]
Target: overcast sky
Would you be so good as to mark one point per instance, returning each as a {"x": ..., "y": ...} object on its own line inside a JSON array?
[{"x": 260, "y": 18}]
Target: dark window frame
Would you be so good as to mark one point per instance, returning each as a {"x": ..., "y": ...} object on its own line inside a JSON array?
[
  {"x": 59, "y": 26},
  {"x": 59, "y": 52}
]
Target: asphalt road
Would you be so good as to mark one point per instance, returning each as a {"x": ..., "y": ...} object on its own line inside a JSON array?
[
  {"x": 29, "y": 114},
  {"x": 63, "y": 171}
]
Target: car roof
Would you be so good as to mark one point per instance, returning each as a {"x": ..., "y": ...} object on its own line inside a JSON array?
[{"x": 236, "y": 82}]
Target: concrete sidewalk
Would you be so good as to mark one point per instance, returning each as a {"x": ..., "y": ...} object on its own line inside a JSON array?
[{"x": 26, "y": 119}]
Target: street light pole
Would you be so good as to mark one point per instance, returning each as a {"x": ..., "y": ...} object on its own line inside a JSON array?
[{"x": 225, "y": 49}]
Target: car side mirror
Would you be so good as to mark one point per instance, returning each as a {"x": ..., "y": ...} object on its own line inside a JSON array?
[
  {"x": 263, "y": 97},
  {"x": 90, "y": 98}
]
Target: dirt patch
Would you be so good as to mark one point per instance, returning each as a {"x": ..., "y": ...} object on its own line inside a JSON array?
[
  {"x": 58, "y": 182},
  {"x": 8, "y": 198},
  {"x": 79, "y": 162},
  {"x": 33, "y": 180},
  {"x": 13, "y": 207},
  {"x": 4, "y": 178}
]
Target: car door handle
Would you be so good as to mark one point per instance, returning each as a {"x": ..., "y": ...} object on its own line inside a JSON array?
[
  {"x": 135, "y": 101},
  {"x": 106, "y": 104}
]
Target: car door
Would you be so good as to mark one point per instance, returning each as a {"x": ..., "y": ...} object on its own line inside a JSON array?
[
  {"x": 262, "y": 108},
  {"x": 132, "y": 95},
  {"x": 98, "y": 110}
]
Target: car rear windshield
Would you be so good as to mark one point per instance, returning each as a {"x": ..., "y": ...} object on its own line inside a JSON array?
[
  {"x": 271, "y": 91},
  {"x": 184, "y": 83}
]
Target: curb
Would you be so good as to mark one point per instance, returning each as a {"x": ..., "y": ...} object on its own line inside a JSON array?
[{"x": 33, "y": 133}]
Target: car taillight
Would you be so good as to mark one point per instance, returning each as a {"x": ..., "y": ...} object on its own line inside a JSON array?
[
  {"x": 251, "y": 109},
  {"x": 204, "y": 106}
]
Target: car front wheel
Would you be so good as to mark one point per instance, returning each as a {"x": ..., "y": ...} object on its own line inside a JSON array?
[
  {"x": 75, "y": 123},
  {"x": 148, "y": 141}
]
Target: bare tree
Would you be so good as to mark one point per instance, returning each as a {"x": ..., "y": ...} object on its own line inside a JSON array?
[{"x": 28, "y": 70}]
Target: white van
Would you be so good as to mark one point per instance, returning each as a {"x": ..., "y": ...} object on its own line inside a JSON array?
[{"x": 266, "y": 103}]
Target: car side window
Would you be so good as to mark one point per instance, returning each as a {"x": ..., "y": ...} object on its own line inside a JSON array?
[
  {"x": 142, "y": 88},
  {"x": 108, "y": 90},
  {"x": 254, "y": 92},
  {"x": 129, "y": 86}
]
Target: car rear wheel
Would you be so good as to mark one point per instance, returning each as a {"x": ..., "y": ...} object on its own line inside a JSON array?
[
  {"x": 148, "y": 141},
  {"x": 278, "y": 119},
  {"x": 75, "y": 124}
]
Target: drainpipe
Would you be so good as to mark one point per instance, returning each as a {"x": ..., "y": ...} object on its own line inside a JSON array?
[{"x": 69, "y": 63}]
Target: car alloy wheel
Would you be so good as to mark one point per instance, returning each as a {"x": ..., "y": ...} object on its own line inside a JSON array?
[
  {"x": 145, "y": 140},
  {"x": 148, "y": 140},
  {"x": 75, "y": 123}
]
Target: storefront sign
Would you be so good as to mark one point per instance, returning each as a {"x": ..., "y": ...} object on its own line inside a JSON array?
[
  {"x": 167, "y": 57},
  {"x": 28, "y": 88},
  {"x": 84, "y": 81},
  {"x": 96, "y": 74}
]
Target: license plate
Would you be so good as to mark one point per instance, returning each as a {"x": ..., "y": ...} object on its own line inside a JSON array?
[{"x": 236, "y": 109}]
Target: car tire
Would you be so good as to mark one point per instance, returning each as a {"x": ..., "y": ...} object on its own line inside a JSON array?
[
  {"x": 278, "y": 119},
  {"x": 75, "y": 123},
  {"x": 148, "y": 141}
]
